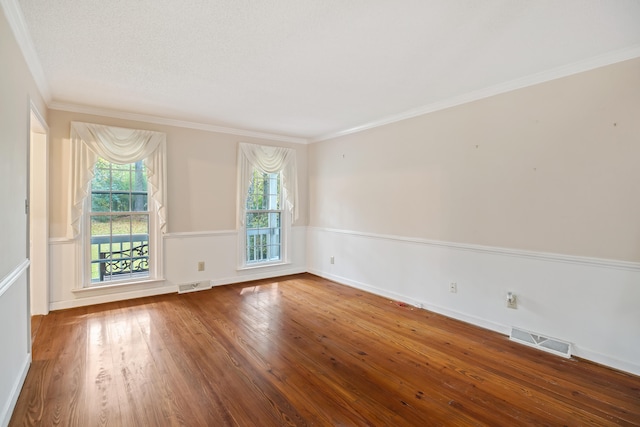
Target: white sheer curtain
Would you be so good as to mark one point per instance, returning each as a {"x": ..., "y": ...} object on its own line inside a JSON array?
[
  {"x": 116, "y": 145},
  {"x": 267, "y": 159}
]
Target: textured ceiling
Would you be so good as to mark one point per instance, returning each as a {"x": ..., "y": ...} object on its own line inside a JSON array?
[{"x": 309, "y": 68}]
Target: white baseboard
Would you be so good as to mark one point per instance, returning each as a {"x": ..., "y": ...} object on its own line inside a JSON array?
[
  {"x": 112, "y": 297},
  {"x": 257, "y": 276},
  {"x": 606, "y": 360},
  {"x": 473, "y": 320},
  {"x": 7, "y": 410}
]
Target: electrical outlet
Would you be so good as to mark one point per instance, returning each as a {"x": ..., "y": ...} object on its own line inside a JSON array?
[
  {"x": 332, "y": 260},
  {"x": 453, "y": 287},
  {"x": 512, "y": 300},
  {"x": 201, "y": 266}
]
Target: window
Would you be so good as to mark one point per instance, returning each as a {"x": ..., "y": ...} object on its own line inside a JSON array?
[
  {"x": 118, "y": 222},
  {"x": 118, "y": 204},
  {"x": 267, "y": 196},
  {"x": 264, "y": 219}
]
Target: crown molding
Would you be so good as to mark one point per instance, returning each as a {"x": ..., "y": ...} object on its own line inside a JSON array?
[
  {"x": 13, "y": 13},
  {"x": 105, "y": 112},
  {"x": 533, "y": 79}
]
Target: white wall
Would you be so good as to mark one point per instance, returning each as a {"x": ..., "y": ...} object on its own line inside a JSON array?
[
  {"x": 533, "y": 191},
  {"x": 16, "y": 89}
]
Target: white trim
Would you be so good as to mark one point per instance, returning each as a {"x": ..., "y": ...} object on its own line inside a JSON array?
[
  {"x": 40, "y": 249},
  {"x": 111, "y": 294},
  {"x": 13, "y": 275},
  {"x": 7, "y": 410},
  {"x": 18, "y": 25},
  {"x": 611, "y": 362},
  {"x": 250, "y": 277},
  {"x": 147, "y": 118},
  {"x": 173, "y": 235},
  {"x": 262, "y": 265},
  {"x": 121, "y": 286},
  {"x": 533, "y": 79},
  {"x": 41, "y": 126},
  {"x": 61, "y": 241},
  {"x": 547, "y": 256},
  {"x": 183, "y": 234}
]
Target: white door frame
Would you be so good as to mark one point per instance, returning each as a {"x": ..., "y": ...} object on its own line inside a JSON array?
[{"x": 38, "y": 202}]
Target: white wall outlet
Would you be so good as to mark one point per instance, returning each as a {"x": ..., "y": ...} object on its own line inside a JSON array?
[
  {"x": 201, "y": 266},
  {"x": 512, "y": 300},
  {"x": 453, "y": 287},
  {"x": 332, "y": 260}
]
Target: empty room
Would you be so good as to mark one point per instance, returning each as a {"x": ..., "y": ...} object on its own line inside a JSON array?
[{"x": 329, "y": 213}]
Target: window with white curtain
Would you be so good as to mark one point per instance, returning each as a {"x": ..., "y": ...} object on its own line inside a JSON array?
[
  {"x": 267, "y": 203},
  {"x": 263, "y": 228},
  {"x": 118, "y": 209},
  {"x": 118, "y": 222}
]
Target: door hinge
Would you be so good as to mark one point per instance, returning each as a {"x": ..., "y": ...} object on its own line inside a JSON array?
[{"x": 26, "y": 206}]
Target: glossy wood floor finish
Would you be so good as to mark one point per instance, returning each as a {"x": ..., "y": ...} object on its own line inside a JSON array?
[{"x": 301, "y": 350}]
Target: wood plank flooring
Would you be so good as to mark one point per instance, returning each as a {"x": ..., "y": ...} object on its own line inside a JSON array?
[{"x": 301, "y": 350}]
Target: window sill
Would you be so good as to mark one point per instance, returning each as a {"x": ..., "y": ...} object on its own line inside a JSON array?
[
  {"x": 262, "y": 265},
  {"x": 118, "y": 287}
]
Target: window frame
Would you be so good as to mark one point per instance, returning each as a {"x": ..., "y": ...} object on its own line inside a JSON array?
[
  {"x": 285, "y": 229},
  {"x": 154, "y": 236}
]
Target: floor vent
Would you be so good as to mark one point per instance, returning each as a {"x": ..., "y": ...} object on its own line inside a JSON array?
[
  {"x": 550, "y": 345},
  {"x": 194, "y": 286}
]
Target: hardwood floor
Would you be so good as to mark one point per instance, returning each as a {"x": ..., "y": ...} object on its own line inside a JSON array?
[{"x": 301, "y": 350}]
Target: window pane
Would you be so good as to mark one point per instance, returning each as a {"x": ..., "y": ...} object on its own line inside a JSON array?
[
  {"x": 100, "y": 242},
  {"x": 257, "y": 220},
  {"x": 125, "y": 167},
  {"x": 119, "y": 247},
  {"x": 255, "y": 201},
  {"x": 121, "y": 224},
  {"x": 100, "y": 202},
  {"x": 139, "y": 180},
  {"x": 140, "y": 243},
  {"x": 121, "y": 180},
  {"x": 100, "y": 225},
  {"x": 273, "y": 192},
  {"x": 120, "y": 202},
  {"x": 274, "y": 219},
  {"x": 139, "y": 202},
  {"x": 140, "y": 224},
  {"x": 101, "y": 179},
  {"x": 264, "y": 191}
]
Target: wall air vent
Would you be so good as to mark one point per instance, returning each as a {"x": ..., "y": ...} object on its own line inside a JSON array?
[
  {"x": 194, "y": 286},
  {"x": 547, "y": 344}
]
